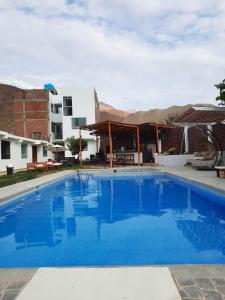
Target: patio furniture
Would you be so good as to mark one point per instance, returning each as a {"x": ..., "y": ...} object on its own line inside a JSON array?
[
  {"x": 219, "y": 170},
  {"x": 31, "y": 166},
  {"x": 57, "y": 165},
  {"x": 41, "y": 166},
  {"x": 54, "y": 164},
  {"x": 204, "y": 160}
]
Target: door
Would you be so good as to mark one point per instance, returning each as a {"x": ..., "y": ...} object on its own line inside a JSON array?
[{"x": 34, "y": 153}]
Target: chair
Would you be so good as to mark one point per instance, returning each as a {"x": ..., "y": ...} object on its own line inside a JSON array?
[
  {"x": 41, "y": 166},
  {"x": 31, "y": 166},
  {"x": 203, "y": 160}
]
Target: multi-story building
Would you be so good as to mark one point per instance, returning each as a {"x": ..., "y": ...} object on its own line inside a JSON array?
[
  {"x": 72, "y": 107},
  {"x": 52, "y": 115}
]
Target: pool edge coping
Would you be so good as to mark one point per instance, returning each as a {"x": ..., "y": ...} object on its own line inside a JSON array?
[
  {"x": 51, "y": 178},
  {"x": 32, "y": 187}
]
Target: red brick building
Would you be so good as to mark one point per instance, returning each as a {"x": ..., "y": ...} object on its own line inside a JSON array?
[{"x": 24, "y": 112}]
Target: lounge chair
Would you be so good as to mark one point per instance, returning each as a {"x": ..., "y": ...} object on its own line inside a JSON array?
[{"x": 203, "y": 160}]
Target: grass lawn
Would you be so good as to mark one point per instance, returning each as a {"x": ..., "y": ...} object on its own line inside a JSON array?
[{"x": 27, "y": 175}]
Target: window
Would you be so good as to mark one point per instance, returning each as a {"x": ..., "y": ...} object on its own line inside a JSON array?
[
  {"x": 77, "y": 122},
  {"x": 67, "y": 106},
  {"x": 23, "y": 150},
  {"x": 85, "y": 148},
  {"x": 5, "y": 149},
  {"x": 45, "y": 151},
  {"x": 56, "y": 108},
  {"x": 36, "y": 135}
]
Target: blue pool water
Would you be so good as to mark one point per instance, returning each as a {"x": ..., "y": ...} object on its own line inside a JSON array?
[{"x": 120, "y": 220}]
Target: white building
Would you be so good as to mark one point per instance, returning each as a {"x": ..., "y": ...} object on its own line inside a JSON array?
[
  {"x": 72, "y": 107},
  {"x": 19, "y": 151}
]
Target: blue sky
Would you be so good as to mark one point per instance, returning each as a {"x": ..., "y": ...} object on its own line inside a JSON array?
[{"x": 138, "y": 54}]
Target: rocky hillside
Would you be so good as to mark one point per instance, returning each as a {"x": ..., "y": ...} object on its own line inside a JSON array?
[
  {"x": 108, "y": 112},
  {"x": 162, "y": 116}
]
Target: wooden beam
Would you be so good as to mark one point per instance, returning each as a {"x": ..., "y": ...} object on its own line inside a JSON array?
[
  {"x": 138, "y": 145},
  {"x": 157, "y": 139},
  {"x": 110, "y": 146},
  {"x": 81, "y": 163}
]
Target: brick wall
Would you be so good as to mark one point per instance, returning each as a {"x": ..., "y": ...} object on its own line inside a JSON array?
[
  {"x": 198, "y": 141},
  {"x": 24, "y": 112},
  {"x": 172, "y": 137},
  {"x": 7, "y": 118},
  {"x": 219, "y": 131}
]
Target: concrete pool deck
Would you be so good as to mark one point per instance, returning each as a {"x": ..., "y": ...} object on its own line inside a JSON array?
[
  {"x": 142, "y": 283},
  {"x": 193, "y": 281}
]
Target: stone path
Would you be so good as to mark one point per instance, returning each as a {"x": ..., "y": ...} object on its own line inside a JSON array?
[
  {"x": 12, "y": 282},
  {"x": 205, "y": 282},
  {"x": 202, "y": 288}
]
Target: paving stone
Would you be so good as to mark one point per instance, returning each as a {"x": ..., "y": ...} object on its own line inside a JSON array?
[
  {"x": 221, "y": 289},
  {"x": 186, "y": 282},
  {"x": 212, "y": 295},
  {"x": 219, "y": 281},
  {"x": 205, "y": 283},
  {"x": 11, "y": 295},
  {"x": 16, "y": 285},
  {"x": 183, "y": 294},
  {"x": 193, "y": 292}
]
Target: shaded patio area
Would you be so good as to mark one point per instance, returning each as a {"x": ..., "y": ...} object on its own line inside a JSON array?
[{"x": 126, "y": 144}]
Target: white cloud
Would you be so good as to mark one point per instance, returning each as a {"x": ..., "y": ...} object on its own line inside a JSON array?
[{"x": 137, "y": 54}]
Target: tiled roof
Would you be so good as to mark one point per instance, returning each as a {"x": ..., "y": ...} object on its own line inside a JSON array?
[{"x": 201, "y": 115}]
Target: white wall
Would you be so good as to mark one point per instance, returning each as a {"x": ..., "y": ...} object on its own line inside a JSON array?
[
  {"x": 83, "y": 99},
  {"x": 17, "y": 161}
]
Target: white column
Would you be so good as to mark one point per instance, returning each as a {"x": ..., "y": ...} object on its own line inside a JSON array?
[
  {"x": 186, "y": 140},
  {"x": 209, "y": 128}
]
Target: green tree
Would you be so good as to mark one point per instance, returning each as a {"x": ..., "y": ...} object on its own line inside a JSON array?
[
  {"x": 221, "y": 88},
  {"x": 74, "y": 145}
]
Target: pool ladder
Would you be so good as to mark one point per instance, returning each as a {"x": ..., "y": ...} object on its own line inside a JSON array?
[{"x": 83, "y": 176}]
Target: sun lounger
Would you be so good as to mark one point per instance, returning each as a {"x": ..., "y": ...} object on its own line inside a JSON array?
[{"x": 203, "y": 160}]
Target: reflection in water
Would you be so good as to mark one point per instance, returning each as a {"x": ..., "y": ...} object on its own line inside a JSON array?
[{"x": 112, "y": 221}]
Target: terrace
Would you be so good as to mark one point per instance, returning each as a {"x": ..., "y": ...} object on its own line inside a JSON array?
[{"x": 126, "y": 144}]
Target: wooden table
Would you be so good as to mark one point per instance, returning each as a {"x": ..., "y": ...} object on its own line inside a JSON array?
[{"x": 220, "y": 169}]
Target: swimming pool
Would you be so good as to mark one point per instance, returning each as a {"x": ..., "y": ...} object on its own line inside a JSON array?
[{"x": 114, "y": 220}]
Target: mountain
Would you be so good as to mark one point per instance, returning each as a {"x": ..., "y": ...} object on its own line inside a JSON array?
[{"x": 108, "y": 112}]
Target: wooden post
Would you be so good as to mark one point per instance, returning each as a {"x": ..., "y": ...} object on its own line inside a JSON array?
[
  {"x": 110, "y": 146},
  {"x": 157, "y": 139},
  {"x": 138, "y": 145},
  {"x": 81, "y": 163},
  {"x": 105, "y": 152},
  {"x": 97, "y": 144}
]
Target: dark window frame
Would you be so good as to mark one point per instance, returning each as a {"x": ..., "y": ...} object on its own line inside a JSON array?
[
  {"x": 67, "y": 106},
  {"x": 5, "y": 153},
  {"x": 77, "y": 122},
  {"x": 45, "y": 151}
]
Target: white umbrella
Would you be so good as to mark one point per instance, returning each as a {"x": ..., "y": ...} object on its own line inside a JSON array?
[{"x": 57, "y": 148}]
